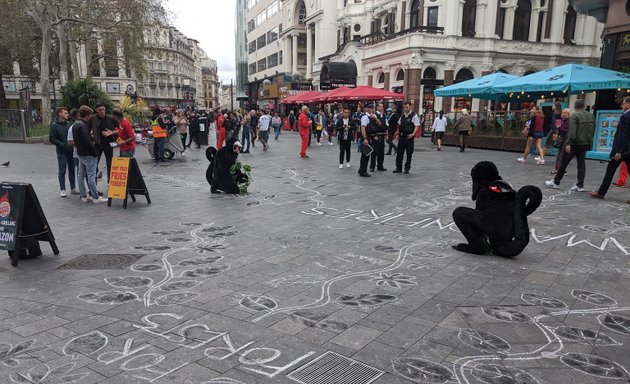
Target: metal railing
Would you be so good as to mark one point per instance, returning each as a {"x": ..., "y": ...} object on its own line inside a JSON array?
[
  {"x": 14, "y": 125},
  {"x": 380, "y": 36}
]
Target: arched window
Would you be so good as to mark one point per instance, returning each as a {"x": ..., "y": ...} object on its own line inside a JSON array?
[
  {"x": 522, "y": 18},
  {"x": 470, "y": 14},
  {"x": 463, "y": 75},
  {"x": 529, "y": 72},
  {"x": 569, "y": 26},
  {"x": 381, "y": 78},
  {"x": 429, "y": 73},
  {"x": 301, "y": 13},
  {"x": 400, "y": 76},
  {"x": 416, "y": 12},
  {"x": 503, "y": 71}
]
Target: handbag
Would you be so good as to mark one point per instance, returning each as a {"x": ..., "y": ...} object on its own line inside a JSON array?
[
  {"x": 558, "y": 142},
  {"x": 318, "y": 127},
  {"x": 525, "y": 132}
]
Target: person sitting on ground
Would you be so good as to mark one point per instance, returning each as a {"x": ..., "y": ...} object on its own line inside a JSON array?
[{"x": 221, "y": 162}]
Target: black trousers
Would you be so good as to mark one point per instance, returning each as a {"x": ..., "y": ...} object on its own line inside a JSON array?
[
  {"x": 610, "y": 173},
  {"x": 344, "y": 150},
  {"x": 470, "y": 224},
  {"x": 194, "y": 136},
  {"x": 378, "y": 155},
  {"x": 106, "y": 149},
  {"x": 578, "y": 151},
  {"x": 404, "y": 145},
  {"x": 318, "y": 135},
  {"x": 365, "y": 159},
  {"x": 390, "y": 141}
]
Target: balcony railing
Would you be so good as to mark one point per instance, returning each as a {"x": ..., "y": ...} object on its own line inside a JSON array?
[{"x": 380, "y": 36}]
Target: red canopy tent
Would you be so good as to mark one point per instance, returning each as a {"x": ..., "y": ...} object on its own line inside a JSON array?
[
  {"x": 301, "y": 98},
  {"x": 370, "y": 93},
  {"x": 333, "y": 95}
]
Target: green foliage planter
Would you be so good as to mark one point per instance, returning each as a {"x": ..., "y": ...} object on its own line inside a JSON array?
[
  {"x": 83, "y": 92},
  {"x": 237, "y": 171}
]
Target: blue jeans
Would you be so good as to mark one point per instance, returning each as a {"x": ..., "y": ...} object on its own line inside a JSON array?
[
  {"x": 246, "y": 138},
  {"x": 158, "y": 149},
  {"x": 65, "y": 161},
  {"x": 276, "y": 131},
  {"x": 87, "y": 166},
  {"x": 129, "y": 153}
]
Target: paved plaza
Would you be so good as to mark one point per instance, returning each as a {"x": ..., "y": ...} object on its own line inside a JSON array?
[{"x": 316, "y": 276}]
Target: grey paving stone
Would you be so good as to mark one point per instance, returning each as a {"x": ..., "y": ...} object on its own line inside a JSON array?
[{"x": 356, "y": 337}]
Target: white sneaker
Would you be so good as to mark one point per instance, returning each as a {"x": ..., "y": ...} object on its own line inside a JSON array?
[
  {"x": 575, "y": 188},
  {"x": 521, "y": 160},
  {"x": 183, "y": 154},
  {"x": 551, "y": 184},
  {"x": 74, "y": 191},
  {"x": 101, "y": 200},
  {"x": 87, "y": 199},
  {"x": 320, "y": 144},
  {"x": 348, "y": 165},
  {"x": 537, "y": 158},
  {"x": 63, "y": 193},
  {"x": 340, "y": 166},
  {"x": 330, "y": 143},
  {"x": 541, "y": 162}
]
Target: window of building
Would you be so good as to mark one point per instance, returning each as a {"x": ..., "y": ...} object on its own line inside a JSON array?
[
  {"x": 302, "y": 14},
  {"x": 381, "y": 78},
  {"x": 252, "y": 47},
  {"x": 400, "y": 76},
  {"x": 498, "y": 30},
  {"x": 94, "y": 61},
  {"x": 416, "y": 11},
  {"x": 429, "y": 73},
  {"x": 569, "y": 26},
  {"x": 272, "y": 60},
  {"x": 539, "y": 28},
  {"x": 522, "y": 18},
  {"x": 463, "y": 75},
  {"x": 261, "y": 41},
  {"x": 251, "y": 3},
  {"x": 272, "y": 35},
  {"x": 432, "y": 16},
  {"x": 251, "y": 25},
  {"x": 273, "y": 9},
  {"x": 252, "y": 68},
  {"x": 262, "y": 65},
  {"x": 280, "y": 57},
  {"x": 470, "y": 15},
  {"x": 302, "y": 58}
]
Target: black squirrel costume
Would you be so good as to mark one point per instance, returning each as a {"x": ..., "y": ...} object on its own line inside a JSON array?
[
  {"x": 218, "y": 173},
  {"x": 498, "y": 224}
]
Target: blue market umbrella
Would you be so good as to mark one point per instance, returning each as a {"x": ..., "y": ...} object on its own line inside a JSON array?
[
  {"x": 568, "y": 78},
  {"x": 479, "y": 88}
]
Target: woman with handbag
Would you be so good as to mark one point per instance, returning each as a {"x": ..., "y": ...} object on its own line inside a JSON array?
[{"x": 535, "y": 134}]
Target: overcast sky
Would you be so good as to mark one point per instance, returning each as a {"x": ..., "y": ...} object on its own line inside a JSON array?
[{"x": 212, "y": 24}]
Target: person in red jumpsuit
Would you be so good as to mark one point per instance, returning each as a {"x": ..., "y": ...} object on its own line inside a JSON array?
[
  {"x": 220, "y": 130},
  {"x": 304, "y": 126}
]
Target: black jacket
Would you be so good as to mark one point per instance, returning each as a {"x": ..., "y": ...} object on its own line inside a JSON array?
[
  {"x": 621, "y": 142},
  {"x": 83, "y": 139},
  {"x": 352, "y": 127},
  {"x": 59, "y": 137},
  {"x": 95, "y": 126}
]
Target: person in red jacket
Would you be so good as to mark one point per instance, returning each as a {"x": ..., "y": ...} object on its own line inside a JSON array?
[
  {"x": 221, "y": 130},
  {"x": 304, "y": 126}
]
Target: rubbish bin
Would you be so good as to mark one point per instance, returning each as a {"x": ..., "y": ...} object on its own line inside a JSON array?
[{"x": 204, "y": 128}]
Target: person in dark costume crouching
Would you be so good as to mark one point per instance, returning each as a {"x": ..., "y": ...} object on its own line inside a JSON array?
[
  {"x": 218, "y": 174},
  {"x": 498, "y": 224}
]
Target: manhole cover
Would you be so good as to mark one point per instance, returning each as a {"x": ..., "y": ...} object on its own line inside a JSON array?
[
  {"x": 103, "y": 261},
  {"x": 331, "y": 368}
]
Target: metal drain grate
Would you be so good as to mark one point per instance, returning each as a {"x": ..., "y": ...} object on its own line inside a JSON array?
[
  {"x": 331, "y": 368},
  {"x": 104, "y": 261}
]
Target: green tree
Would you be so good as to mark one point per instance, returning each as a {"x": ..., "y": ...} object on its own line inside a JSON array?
[{"x": 83, "y": 92}]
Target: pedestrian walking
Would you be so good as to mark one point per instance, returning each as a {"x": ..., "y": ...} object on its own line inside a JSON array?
[
  {"x": 245, "y": 132},
  {"x": 291, "y": 120},
  {"x": 463, "y": 127},
  {"x": 253, "y": 127},
  {"x": 221, "y": 129},
  {"x": 439, "y": 127},
  {"x": 620, "y": 149},
  {"x": 193, "y": 129},
  {"x": 304, "y": 125},
  {"x": 535, "y": 134},
  {"x": 59, "y": 137},
  {"x": 276, "y": 122},
  {"x": 578, "y": 142},
  {"x": 561, "y": 137},
  {"x": 345, "y": 128},
  {"x": 263, "y": 129},
  {"x": 182, "y": 123},
  {"x": 408, "y": 126}
]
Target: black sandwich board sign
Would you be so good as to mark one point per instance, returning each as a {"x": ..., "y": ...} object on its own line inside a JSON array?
[
  {"x": 22, "y": 222},
  {"x": 126, "y": 180}
]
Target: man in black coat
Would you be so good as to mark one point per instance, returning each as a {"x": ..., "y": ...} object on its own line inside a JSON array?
[
  {"x": 101, "y": 124},
  {"x": 391, "y": 121},
  {"x": 620, "y": 150},
  {"x": 346, "y": 128}
]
